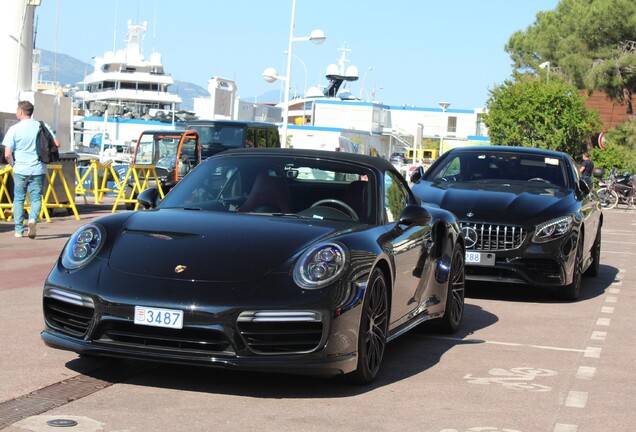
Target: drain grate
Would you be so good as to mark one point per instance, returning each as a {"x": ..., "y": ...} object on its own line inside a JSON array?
[{"x": 63, "y": 392}]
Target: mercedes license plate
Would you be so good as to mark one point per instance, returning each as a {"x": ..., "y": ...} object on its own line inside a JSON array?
[
  {"x": 480, "y": 258},
  {"x": 156, "y": 317}
]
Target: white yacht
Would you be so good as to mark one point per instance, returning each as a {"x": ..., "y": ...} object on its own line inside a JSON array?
[{"x": 125, "y": 84}]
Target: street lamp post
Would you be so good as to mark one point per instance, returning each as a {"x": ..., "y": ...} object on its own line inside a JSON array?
[
  {"x": 270, "y": 75},
  {"x": 543, "y": 66},
  {"x": 369, "y": 69},
  {"x": 443, "y": 106},
  {"x": 304, "y": 67}
]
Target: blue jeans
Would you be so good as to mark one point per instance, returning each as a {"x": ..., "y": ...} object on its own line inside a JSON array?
[{"x": 22, "y": 183}]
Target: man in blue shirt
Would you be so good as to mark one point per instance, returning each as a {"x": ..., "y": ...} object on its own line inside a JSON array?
[
  {"x": 587, "y": 167},
  {"x": 20, "y": 150}
]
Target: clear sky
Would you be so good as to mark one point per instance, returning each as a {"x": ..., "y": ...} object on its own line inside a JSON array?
[{"x": 421, "y": 52}]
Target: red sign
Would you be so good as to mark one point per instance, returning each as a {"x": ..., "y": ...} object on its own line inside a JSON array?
[{"x": 601, "y": 140}]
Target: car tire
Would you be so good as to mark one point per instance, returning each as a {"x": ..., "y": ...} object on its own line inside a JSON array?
[
  {"x": 572, "y": 291},
  {"x": 454, "y": 311},
  {"x": 592, "y": 270},
  {"x": 374, "y": 324},
  {"x": 128, "y": 195}
]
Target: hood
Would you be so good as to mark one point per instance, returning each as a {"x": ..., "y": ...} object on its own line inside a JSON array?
[
  {"x": 499, "y": 203},
  {"x": 212, "y": 246}
]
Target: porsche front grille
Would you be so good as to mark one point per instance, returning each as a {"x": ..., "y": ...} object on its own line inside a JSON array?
[
  {"x": 67, "y": 312},
  {"x": 492, "y": 238},
  {"x": 279, "y": 332}
]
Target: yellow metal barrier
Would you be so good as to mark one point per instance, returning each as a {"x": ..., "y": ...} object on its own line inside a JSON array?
[
  {"x": 57, "y": 174},
  {"x": 6, "y": 204},
  {"x": 98, "y": 188},
  {"x": 135, "y": 174}
]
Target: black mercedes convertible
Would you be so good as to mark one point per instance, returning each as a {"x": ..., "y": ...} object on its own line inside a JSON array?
[
  {"x": 526, "y": 214},
  {"x": 262, "y": 259}
]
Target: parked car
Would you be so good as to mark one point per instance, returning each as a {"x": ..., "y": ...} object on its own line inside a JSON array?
[
  {"x": 287, "y": 260},
  {"x": 526, "y": 215},
  {"x": 398, "y": 158}
]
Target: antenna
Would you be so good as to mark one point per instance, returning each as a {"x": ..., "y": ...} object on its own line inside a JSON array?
[
  {"x": 154, "y": 29},
  {"x": 115, "y": 31}
]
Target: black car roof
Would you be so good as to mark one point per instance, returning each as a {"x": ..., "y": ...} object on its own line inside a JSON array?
[
  {"x": 373, "y": 161},
  {"x": 526, "y": 150}
]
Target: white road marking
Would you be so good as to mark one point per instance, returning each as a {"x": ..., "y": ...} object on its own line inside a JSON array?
[
  {"x": 614, "y": 290},
  {"x": 603, "y": 322},
  {"x": 585, "y": 372},
  {"x": 621, "y": 232},
  {"x": 611, "y": 299},
  {"x": 560, "y": 427},
  {"x": 576, "y": 399},
  {"x": 598, "y": 335},
  {"x": 607, "y": 309},
  {"x": 617, "y": 283},
  {"x": 592, "y": 352},
  {"x": 618, "y": 252}
]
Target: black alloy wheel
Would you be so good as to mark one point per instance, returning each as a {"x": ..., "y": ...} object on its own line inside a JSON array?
[
  {"x": 572, "y": 291},
  {"x": 374, "y": 324},
  {"x": 592, "y": 270},
  {"x": 454, "y": 312}
]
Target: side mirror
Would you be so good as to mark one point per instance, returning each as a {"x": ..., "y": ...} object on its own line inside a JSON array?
[
  {"x": 148, "y": 198},
  {"x": 586, "y": 184},
  {"x": 417, "y": 174},
  {"x": 414, "y": 215}
]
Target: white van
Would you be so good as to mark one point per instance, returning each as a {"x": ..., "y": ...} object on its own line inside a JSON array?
[{"x": 330, "y": 141}]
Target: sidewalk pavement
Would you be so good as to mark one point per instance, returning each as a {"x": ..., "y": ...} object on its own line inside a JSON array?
[{"x": 26, "y": 262}]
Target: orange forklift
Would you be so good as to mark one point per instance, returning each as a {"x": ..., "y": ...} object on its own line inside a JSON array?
[{"x": 173, "y": 152}]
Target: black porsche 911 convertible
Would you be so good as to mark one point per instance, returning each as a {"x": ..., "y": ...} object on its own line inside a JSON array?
[
  {"x": 262, "y": 259},
  {"x": 526, "y": 214}
]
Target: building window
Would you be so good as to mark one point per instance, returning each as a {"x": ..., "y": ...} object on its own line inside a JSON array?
[{"x": 451, "y": 127}]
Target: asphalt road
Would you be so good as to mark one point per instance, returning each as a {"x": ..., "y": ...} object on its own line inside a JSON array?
[{"x": 523, "y": 362}]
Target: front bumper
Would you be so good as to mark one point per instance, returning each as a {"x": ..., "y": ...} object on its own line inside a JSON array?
[
  {"x": 548, "y": 264},
  {"x": 256, "y": 332},
  {"x": 306, "y": 365}
]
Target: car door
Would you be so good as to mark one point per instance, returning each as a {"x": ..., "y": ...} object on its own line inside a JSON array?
[
  {"x": 589, "y": 209},
  {"x": 409, "y": 247}
]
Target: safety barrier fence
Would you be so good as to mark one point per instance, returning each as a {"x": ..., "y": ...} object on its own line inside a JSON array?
[
  {"x": 60, "y": 195},
  {"x": 98, "y": 176},
  {"x": 137, "y": 178},
  {"x": 50, "y": 200}
]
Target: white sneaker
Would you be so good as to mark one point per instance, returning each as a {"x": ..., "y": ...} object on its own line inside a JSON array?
[
  {"x": 32, "y": 229},
  {"x": 19, "y": 235}
]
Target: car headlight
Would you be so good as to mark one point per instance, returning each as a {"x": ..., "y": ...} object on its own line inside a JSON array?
[
  {"x": 320, "y": 265},
  {"x": 553, "y": 229},
  {"x": 83, "y": 246}
]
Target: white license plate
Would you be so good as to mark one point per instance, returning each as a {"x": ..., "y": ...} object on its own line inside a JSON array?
[
  {"x": 156, "y": 317},
  {"x": 480, "y": 258},
  {"x": 473, "y": 257}
]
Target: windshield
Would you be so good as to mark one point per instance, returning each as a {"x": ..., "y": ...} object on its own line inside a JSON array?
[
  {"x": 283, "y": 185},
  {"x": 157, "y": 149},
  {"x": 499, "y": 167},
  {"x": 219, "y": 136}
]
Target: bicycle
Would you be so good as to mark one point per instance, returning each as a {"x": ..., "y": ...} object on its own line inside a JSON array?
[{"x": 617, "y": 189}]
